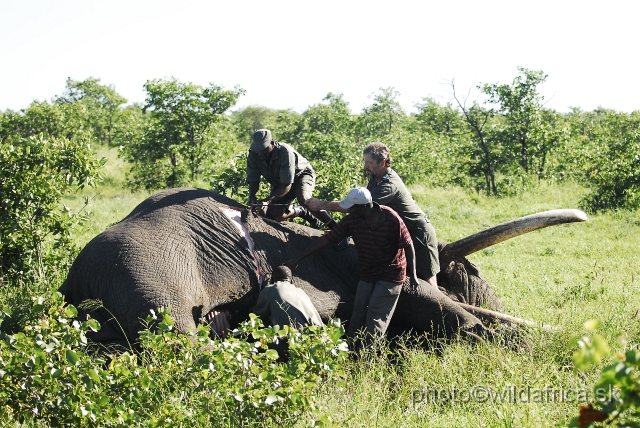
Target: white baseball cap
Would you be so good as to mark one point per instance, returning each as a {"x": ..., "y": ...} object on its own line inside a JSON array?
[{"x": 357, "y": 196}]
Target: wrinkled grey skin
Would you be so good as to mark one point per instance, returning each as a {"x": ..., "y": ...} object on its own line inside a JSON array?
[{"x": 177, "y": 249}]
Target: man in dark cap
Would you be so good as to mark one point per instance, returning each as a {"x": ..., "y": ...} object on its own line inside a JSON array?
[{"x": 290, "y": 176}]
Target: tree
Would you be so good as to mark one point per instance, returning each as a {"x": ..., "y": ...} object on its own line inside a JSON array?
[
  {"x": 176, "y": 140},
  {"x": 432, "y": 118},
  {"x": 35, "y": 172},
  {"x": 129, "y": 126},
  {"x": 326, "y": 130},
  {"x": 481, "y": 155},
  {"x": 377, "y": 121},
  {"x": 326, "y": 135},
  {"x": 52, "y": 120},
  {"x": 524, "y": 132},
  {"x": 607, "y": 144},
  {"x": 251, "y": 118},
  {"x": 99, "y": 105}
]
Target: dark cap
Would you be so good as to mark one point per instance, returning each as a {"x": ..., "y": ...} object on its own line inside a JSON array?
[{"x": 260, "y": 140}]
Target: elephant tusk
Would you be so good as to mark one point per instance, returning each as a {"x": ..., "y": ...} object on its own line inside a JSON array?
[
  {"x": 492, "y": 316},
  {"x": 508, "y": 230}
]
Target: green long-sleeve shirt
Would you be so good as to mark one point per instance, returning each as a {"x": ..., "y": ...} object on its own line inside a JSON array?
[{"x": 283, "y": 303}]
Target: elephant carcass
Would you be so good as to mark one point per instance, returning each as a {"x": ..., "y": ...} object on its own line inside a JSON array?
[
  {"x": 181, "y": 248},
  {"x": 187, "y": 249}
]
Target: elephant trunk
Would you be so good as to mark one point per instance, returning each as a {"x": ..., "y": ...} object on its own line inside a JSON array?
[{"x": 508, "y": 230}]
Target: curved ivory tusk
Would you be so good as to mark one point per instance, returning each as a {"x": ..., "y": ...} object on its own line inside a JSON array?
[
  {"x": 492, "y": 316},
  {"x": 508, "y": 230}
]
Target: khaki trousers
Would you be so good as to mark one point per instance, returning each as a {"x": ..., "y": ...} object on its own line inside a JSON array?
[{"x": 374, "y": 306}]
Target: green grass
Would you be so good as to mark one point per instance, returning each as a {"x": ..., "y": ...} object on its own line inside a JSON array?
[{"x": 562, "y": 275}]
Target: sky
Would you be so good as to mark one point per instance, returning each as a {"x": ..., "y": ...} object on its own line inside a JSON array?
[{"x": 291, "y": 54}]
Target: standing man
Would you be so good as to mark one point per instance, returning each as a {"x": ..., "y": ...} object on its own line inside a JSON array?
[
  {"x": 387, "y": 188},
  {"x": 283, "y": 303},
  {"x": 290, "y": 175},
  {"x": 385, "y": 253}
]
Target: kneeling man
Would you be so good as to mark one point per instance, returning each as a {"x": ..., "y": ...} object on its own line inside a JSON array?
[{"x": 282, "y": 303}]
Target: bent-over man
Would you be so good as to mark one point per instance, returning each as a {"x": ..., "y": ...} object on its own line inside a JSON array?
[
  {"x": 282, "y": 303},
  {"x": 290, "y": 176},
  {"x": 385, "y": 254},
  {"x": 387, "y": 188}
]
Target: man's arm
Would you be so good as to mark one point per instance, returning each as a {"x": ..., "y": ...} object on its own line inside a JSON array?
[
  {"x": 279, "y": 193},
  {"x": 410, "y": 255},
  {"x": 315, "y": 246},
  {"x": 253, "y": 189},
  {"x": 384, "y": 194},
  {"x": 315, "y": 204}
]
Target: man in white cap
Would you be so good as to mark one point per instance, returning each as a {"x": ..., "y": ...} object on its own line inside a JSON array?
[
  {"x": 385, "y": 259},
  {"x": 290, "y": 175}
]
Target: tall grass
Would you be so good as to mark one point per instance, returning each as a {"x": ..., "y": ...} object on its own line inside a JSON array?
[{"x": 561, "y": 276}]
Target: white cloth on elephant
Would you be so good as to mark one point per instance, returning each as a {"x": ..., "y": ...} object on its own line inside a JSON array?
[{"x": 284, "y": 303}]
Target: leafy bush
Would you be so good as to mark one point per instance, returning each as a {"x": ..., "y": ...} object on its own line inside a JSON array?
[
  {"x": 49, "y": 373},
  {"x": 617, "y": 391},
  {"x": 177, "y": 138},
  {"x": 34, "y": 230},
  {"x": 231, "y": 180},
  {"x": 610, "y": 160}
]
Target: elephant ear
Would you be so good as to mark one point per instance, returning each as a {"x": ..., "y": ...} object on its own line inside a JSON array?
[{"x": 462, "y": 282}]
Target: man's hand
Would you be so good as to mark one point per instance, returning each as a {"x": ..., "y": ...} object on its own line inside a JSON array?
[
  {"x": 314, "y": 204},
  {"x": 261, "y": 208},
  {"x": 291, "y": 264}
]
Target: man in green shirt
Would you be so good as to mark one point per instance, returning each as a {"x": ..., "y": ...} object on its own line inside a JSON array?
[
  {"x": 387, "y": 188},
  {"x": 290, "y": 176},
  {"x": 282, "y": 303}
]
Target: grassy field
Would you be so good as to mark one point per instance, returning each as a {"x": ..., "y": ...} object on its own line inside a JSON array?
[{"x": 563, "y": 276}]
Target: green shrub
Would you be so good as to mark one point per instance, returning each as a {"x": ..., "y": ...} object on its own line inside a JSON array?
[
  {"x": 617, "y": 391},
  {"x": 609, "y": 159},
  {"x": 34, "y": 228},
  {"x": 50, "y": 374}
]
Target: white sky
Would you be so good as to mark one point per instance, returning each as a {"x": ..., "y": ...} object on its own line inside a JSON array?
[{"x": 290, "y": 54}]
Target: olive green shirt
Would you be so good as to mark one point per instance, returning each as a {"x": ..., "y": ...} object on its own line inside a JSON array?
[
  {"x": 283, "y": 303},
  {"x": 283, "y": 167},
  {"x": 392, "y": 192}
]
